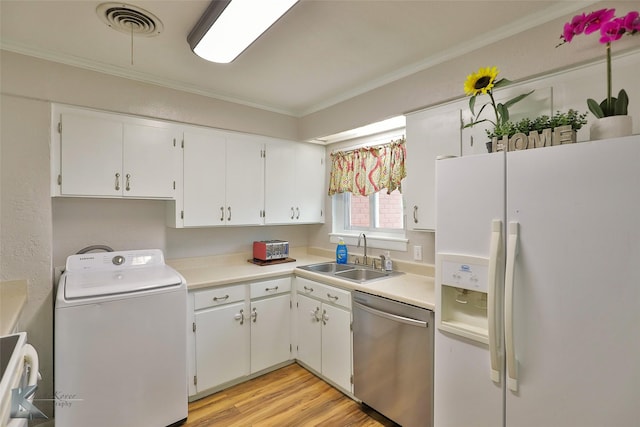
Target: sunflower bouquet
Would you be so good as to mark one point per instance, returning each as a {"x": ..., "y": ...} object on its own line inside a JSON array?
[{"x": 483, "y": 82}]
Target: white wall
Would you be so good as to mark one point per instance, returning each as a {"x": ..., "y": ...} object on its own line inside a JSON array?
[
  {"x": 25, "y": 220},
  {"x": 520, "y": 57}
]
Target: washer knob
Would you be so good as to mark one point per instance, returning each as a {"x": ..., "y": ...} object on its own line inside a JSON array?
[{"x": 117, "y": 260}]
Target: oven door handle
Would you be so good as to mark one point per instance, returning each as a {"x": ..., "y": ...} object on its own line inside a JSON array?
[
  {"x": 31, "y": 357},
  {"x": 393, "y": 317}
]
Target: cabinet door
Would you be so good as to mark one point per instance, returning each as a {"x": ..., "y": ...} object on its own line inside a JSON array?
[
  {"x": 430, "y": 133},
  {"x": 222, "y": 345},
  {"x": 245, "y": 180},
  {"x": 309, "y": 332},
  {"x": 310, "y": 183},
  {"x": 270, "y": 332},
  {"x": 336, "y": 345},
  {"x": 204, "y": 178},
  {"x": 150, "y": 161},
  {"x": 280, "y": 183},
  {"x": 91, "y": 156}
]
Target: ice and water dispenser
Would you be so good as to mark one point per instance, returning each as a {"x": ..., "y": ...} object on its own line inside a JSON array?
[{"x": 463, "y": 296}]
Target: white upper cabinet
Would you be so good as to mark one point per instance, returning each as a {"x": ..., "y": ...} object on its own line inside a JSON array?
[
  {"x": 223, "y": 179},
  {"x": 107, "y": 155},
  {"x": 294, "y": 183},
  {"x": 151, "y": 161},
  {"x": 204, "y": 178},
  {"x": 245, "y": 180},
  {"x": 430, "y": 133}
]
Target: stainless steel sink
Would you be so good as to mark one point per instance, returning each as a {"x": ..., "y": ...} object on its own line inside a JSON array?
[
  {"x": 328, "y": 267},
  {"x": 352, "y": 272},
  {"x": 361, "y": 274}
]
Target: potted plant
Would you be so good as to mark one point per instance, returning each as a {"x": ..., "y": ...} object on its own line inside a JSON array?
[
  {"x": 612, "y": 111},
  {"x": 531, "y": 129},
  {"x": 483, "y": 82}
]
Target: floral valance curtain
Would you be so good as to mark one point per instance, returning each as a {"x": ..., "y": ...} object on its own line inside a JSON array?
[{"x": 367, "y": 170}]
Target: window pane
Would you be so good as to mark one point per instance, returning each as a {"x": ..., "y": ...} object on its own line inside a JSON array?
[
  {"x": 390, "y": 213},
  {"x": 359, "y": 211}
]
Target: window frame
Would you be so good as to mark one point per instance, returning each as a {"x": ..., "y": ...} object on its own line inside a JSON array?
[{"x": 388, "y": 239}]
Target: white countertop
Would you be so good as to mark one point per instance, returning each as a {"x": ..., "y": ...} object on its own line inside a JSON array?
[
  {"x": 13, "y": 297},
  {"x": 204, "y": 272}
]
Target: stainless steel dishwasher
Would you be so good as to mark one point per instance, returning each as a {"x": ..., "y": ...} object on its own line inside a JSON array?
[{"x": 393, "y": 359}]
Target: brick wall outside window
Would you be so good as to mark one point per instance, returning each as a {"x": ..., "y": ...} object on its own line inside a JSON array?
[
  {"x": 390, "y": 209},
  {"x": 359, "y": 211},
  {"x": 389, "y": 206}
]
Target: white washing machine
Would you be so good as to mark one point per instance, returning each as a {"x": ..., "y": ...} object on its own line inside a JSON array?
[{"x": 120, "y": 341}]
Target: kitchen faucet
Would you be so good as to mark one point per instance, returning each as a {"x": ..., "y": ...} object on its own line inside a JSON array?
[{"x": 364, "y": 237}]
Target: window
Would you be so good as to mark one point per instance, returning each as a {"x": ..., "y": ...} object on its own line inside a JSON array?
[
  {"x": 358, "y": 183},
  {"x": 377, "y": 212},
  {"x": 380, "y": 216}
]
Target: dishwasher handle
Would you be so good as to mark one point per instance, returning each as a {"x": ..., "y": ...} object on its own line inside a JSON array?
[{"x": 394, "y": 317}]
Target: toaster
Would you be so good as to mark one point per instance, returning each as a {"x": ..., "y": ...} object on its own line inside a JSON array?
[{"x": 267, "y": 250}]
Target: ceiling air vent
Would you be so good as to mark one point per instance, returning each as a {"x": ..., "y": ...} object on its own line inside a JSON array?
[{"x": 129, "y": 19}]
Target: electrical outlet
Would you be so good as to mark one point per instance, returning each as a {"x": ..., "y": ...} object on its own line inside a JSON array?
[{"x": 417, "y": 253}]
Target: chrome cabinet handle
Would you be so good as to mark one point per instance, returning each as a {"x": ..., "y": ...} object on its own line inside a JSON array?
[
  {"x": 275, "y": 288},
  {"x": 415, "y": 214},
  {"x": 297, "y": 213},
  {"x": 221, "y": 213},
  {"x": 308, "y": 289},
  {"x": 325, "y": 317},
  {"x": 128, "y": 182},
  {"x": 314, "y": 314},
  {"x": 229, "y": 209},
  {"x": 292, "y": 213},
  {"x": 254, "y": 315},
  {"x": 333, "y": 297},
  {"x": 240, "y": 317},
  {"x": 216, "y": 299},
  {"x": 117, "y": 181}
]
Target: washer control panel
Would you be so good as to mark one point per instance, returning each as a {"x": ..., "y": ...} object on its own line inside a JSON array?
[{"x": 115, "y": 260}]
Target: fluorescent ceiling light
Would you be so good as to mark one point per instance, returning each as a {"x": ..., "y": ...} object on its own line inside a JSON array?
[{"x": 228, "y": 27}]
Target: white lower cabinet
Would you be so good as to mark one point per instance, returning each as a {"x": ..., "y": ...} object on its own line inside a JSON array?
[
  {"x": 239, "y": 330},
  {"x": 221, "y": 336},
  {"x": 270, "y": 323},
  {"x": 222, "y": 346},
  {"x": 323, "y": 322}
]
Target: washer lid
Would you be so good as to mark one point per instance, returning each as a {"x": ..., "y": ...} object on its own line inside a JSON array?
[{"x": 88, "y": 284}]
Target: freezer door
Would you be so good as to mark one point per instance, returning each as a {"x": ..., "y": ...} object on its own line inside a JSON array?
[
  {"x": 470, "y": 195},
  {"x": 576, "y": 293}
]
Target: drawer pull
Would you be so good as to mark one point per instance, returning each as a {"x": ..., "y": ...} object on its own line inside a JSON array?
[
  {"x": 216, "y": 299},
  {"x": 333, "y": 297},
  {"x": 308, "y": 289},
  {"x": 275, "y": 288},
  {"x": 314, "y": 314},
  {"x": 325, "y": 317},
  {"x": 254, "y": 315},
  {"x": 240, "y": 317}
]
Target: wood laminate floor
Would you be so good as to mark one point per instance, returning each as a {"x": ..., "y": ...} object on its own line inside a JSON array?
[{"x": 290, "y": 396}]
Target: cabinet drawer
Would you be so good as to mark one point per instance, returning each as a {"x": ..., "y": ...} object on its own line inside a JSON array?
[
  {"x": 219, "y": 296},
  {"x": 270, "y": 287},
  {"x": 323, "y": 292}
]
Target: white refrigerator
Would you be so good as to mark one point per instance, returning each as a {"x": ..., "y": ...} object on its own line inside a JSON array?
[{"x": 538, "y": 287}]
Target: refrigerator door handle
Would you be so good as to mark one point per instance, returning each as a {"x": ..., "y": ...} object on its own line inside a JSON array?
[
  {"x": 494, "y": 252},
  {"x": 512, "y": 363}
]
